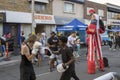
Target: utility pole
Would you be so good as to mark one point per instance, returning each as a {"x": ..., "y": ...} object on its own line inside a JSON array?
[{"x": 33, "y": 18}]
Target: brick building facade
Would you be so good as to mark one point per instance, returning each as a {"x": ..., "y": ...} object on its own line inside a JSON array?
[
  {"x": 18, "y": 17},
  {"x": 100, "y": 9}
]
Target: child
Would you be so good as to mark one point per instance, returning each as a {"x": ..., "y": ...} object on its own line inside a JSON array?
[{"x": 78, "y": 46}]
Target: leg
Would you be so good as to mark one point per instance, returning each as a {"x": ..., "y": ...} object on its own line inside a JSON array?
[
  {"x": 39, "y": 59},
  {"x": 65, "y": 76},
  {"x": 51, "y": 64},
  {"x": 75, "y": 76}
]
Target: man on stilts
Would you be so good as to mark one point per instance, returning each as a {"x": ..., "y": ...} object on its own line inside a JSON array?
[{"x": 95, "y": 58}]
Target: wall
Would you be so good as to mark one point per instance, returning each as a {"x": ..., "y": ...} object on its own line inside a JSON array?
[
  {"x": 96, "y": 6},
  {"x": 15, "y": 5},
  {"x": 58, "y": 9}
]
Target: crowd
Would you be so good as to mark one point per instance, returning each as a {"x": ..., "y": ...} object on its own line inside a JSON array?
[
  {"x": 114, "y": 41},
  {"x": 67, "y": 47}
]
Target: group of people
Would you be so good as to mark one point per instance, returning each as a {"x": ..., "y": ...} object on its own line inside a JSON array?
[
  {"x": 62, "y": 45},
  {"x": 67, "y": 47},
  {"x": 3, "y": 39},
  {"x": 114, "y": 41}
]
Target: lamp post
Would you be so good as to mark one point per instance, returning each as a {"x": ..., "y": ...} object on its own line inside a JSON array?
[{"x": 33, "y": 19}]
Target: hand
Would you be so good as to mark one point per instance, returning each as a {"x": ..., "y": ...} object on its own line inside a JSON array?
[
  {"x": 52, "y": 45},
  {"x": 36, "y": 45},
  {"x": 35, "y": 51},
  {"x": 64, "y": 66}
]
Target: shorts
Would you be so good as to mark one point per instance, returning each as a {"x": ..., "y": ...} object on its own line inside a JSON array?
[{"x": 52, "y": 56}]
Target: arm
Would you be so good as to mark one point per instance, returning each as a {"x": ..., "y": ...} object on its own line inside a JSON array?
[
  {"x": 56, "y": 52},
  {"x": 27, "y": 53},
  {"x": 70, "y": 61},
  {"x": 69, "y": 54}
]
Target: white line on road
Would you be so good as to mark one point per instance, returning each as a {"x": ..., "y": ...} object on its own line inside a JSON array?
[
  {"x": 43, "y": 74},
  {"x": 8, "y": 62}
]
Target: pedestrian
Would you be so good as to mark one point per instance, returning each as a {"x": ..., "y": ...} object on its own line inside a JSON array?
[
  {"x": 78, "y": 46},
  {"x": 22, "y": 37},
  {"x": 71, "y": 40},
  {"x": 53, "y": 45},
  {"x": 27, "y": 54},
  {"x": 110, "y": 42},
  {"x": 67, "y": 59},
  {"x": 116, "y": 41}
]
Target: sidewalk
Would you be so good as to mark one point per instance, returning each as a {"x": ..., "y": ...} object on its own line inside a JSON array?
[{"x": 12, "y": 59}]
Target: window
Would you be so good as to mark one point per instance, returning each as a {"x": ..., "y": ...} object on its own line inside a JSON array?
[
  {"x": 101, "y": 13},
  {"x": 88, "y": 8},
  {"x": 39, "y": 7},
  {"x": 68, "y": 7},
  {"x": 109, "y": 15}
]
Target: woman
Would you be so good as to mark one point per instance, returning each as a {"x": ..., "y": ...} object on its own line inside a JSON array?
[{"x": 26, "y": 67}]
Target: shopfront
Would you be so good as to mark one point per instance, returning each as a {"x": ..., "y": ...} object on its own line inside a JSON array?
[{"x": 17, "y": 22}]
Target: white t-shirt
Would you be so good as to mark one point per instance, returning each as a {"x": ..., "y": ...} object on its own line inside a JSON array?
[{"x": 70, "y": 39}]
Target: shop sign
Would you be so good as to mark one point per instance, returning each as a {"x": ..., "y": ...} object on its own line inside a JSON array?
[
  {"x": 114, "y": 22},
  {"x": 44, "y": 19},
  {"x": 2, "y": 17}
]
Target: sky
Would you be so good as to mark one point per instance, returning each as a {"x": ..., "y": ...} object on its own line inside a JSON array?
[{"x": 116, "y": 2}]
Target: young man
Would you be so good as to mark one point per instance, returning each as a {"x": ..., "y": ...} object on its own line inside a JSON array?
[
  {"x": 67, "y": 59},
  {"x": 53, "y": 45}
]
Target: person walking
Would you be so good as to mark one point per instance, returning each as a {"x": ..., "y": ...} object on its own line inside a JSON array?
[
  {"x": 27, "y": 54},
  {"x": 67, "y": 59},
  {"x": 116, "y": 41},
  {"x": 53, "y": 45}
]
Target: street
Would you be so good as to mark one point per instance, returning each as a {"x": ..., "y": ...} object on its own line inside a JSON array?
[{"x": 11, "y": 71}]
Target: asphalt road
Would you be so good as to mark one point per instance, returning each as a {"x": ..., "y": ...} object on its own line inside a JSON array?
[{"x": 11, "y": 71}]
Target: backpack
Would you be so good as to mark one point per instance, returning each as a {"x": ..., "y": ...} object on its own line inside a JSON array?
[
  {"x": 105, "y": 60},
  {"x": 101, "y": 24}
]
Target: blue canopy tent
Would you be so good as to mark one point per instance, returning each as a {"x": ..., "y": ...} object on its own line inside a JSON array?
[{"x": 74, "y": 25}]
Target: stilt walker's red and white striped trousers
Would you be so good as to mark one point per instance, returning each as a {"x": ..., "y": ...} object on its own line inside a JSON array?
[{"x": 94, "y": 52}]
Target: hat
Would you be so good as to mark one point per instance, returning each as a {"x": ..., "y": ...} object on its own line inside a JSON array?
[
  {"x": 91, "y": 11},
  {"x": 53, "y": 32}
]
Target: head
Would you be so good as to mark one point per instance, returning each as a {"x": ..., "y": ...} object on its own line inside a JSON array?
[
  {"x": 62, "y": 41},
  {"x": 52, "y": 34},
  {"x": 73, "y": 34},
  {"x": 31, "y": 39},
  {"x": 91, "y": 11}
]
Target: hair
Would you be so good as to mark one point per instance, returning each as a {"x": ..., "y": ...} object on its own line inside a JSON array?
[
  {"x": 31, "y": 39},
  {"x": 63, "y": 39}
]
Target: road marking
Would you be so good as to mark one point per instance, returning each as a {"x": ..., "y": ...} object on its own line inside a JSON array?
[
  {"x": 8, "y": 62},
  {"x": 44, "y": 74}
]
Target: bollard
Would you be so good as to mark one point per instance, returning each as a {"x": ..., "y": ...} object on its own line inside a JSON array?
[
  {"x": 7, "y": 51},
  {"x": 109, "y": 76}
]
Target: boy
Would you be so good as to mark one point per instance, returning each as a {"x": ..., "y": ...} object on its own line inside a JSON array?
[{"x": 67, "y": 59}]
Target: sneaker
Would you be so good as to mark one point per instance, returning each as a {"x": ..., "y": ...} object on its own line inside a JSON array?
[
  {"x": 51, "y": 70},
  {"x": 114, "y": 49},
  {"x": 110, "y": 48}
]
